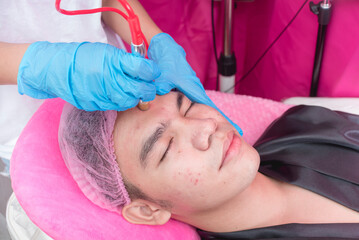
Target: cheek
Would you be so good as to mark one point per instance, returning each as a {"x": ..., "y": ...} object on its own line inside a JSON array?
[
  {"x": 187, "y": 169},
  {"x": 188, "y": 177},
  {"x": 189, "y": 172},
  {"x": 187, "y": 185}
]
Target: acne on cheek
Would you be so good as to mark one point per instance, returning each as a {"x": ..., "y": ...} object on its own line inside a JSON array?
[{"x": 193, "y": 177}]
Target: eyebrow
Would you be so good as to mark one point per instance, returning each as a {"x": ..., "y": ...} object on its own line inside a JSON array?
[
  {"x": 156, "y": 135},
  {"x": 179, "y": 100}
]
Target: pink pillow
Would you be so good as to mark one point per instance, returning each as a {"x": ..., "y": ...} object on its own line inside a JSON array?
[
  {"x": 252, "y": 114},
  {"x": 52, "y": 199}
]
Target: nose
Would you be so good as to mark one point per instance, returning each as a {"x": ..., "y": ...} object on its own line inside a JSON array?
[{"x": 202, "y": 129}]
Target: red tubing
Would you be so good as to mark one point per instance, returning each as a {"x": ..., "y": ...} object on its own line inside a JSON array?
[{"x": 136, "y": 34}]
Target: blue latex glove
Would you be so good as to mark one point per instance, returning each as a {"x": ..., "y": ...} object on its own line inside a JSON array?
[
  {"x": 91, "y": 76},
  {"x": 177, "y": 73}
]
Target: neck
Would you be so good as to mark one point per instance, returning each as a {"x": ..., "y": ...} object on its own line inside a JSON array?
[{"x": 263, "y": 203}]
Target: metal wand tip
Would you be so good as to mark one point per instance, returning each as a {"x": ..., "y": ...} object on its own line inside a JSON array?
[{"x": 143, "y": 106}]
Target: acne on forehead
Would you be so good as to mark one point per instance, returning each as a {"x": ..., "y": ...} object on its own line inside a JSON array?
[{"x": 138, "y": 126}]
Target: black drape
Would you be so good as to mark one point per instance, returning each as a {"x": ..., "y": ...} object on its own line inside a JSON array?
[{"x": 317, "y": 149}]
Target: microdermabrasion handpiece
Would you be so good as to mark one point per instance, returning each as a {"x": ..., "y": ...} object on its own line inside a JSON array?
[
  {"x": 139, "y": 42},
  {"x": 140, "y": 50}
]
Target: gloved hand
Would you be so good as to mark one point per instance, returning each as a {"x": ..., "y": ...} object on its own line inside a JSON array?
[
  {"x": 177, "y": 73},
  {"x": 90, "y": 76}
]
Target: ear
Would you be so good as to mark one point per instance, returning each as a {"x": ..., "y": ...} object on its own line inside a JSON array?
[{"x": 144, "y": 212}]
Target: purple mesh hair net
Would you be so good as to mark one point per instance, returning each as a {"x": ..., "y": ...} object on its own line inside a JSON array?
[{"x": 86, "y": 144}]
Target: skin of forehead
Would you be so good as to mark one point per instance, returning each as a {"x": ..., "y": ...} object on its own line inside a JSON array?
[{"x": 146, "y": 119}]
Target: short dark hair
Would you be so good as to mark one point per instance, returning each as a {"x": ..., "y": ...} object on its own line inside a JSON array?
[{"x": 136, "y": 193}]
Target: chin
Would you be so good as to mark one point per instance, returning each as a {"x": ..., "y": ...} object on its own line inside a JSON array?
[
  {"x": 247, "y": 168},
  {"x": 253, "y": 161}
]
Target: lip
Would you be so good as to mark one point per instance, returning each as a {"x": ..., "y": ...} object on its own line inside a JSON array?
[{"x": 231, "y": 146}]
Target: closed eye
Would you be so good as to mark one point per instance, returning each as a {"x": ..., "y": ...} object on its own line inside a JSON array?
[
  {"x": 192, "y": 104},
  {"x": 179, "y": 103},
  {"x": 168, "y": 148}
]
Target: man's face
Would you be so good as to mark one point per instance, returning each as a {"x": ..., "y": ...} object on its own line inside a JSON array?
[{"x": 184, "y": 153}]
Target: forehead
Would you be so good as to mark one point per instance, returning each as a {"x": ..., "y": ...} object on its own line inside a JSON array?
[{"x": 136, "y": 119}]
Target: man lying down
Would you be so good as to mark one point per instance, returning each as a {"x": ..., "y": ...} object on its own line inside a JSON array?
[{"x": 184, "y": 161}]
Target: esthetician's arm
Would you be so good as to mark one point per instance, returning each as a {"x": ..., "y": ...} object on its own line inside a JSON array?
[
  {"x": 11, "y": 55},
  {"x": 76, "y": 72},
  {"x": 119, "y": 25}
]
